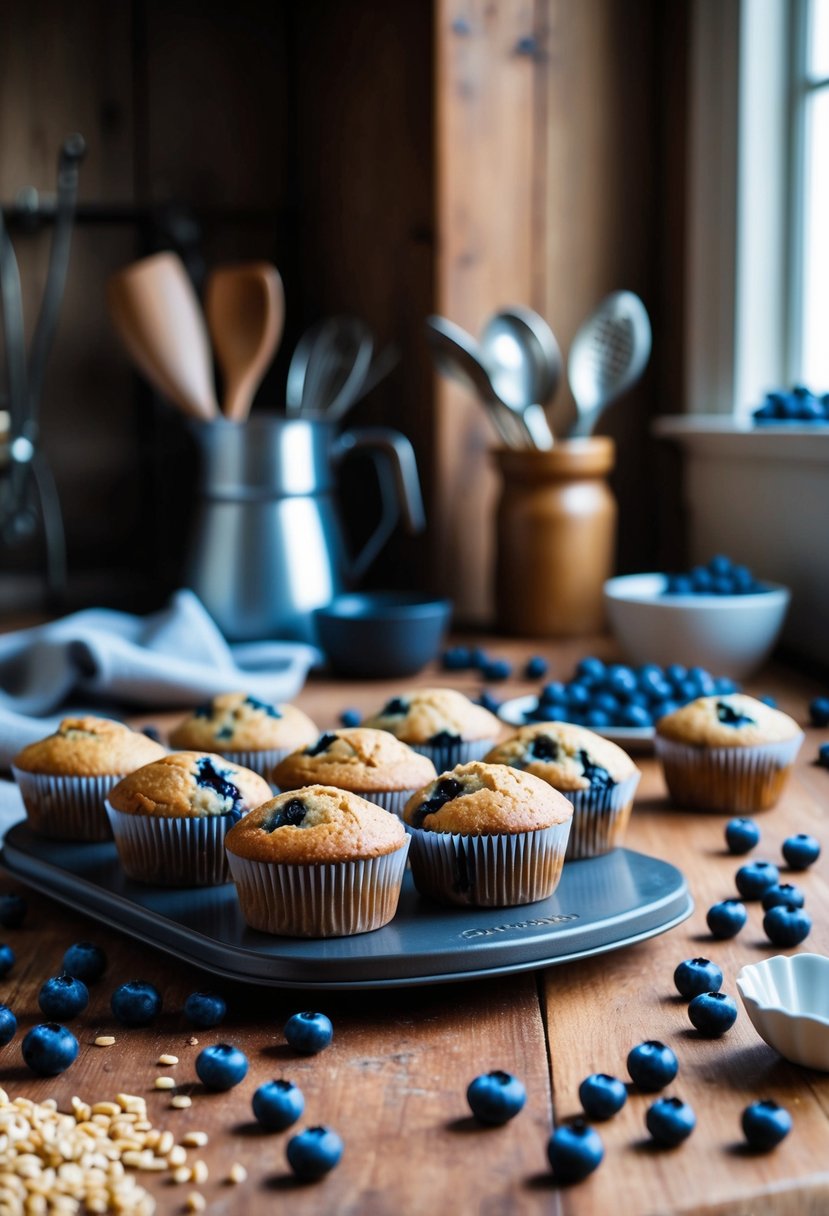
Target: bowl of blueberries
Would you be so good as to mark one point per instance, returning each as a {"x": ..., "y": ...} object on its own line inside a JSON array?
[{"x": 718, "y": 616}]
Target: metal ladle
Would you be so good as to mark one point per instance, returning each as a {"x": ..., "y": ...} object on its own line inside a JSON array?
[{"x": 524, "y": 363}]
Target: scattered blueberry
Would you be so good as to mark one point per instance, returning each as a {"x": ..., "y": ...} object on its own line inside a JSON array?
[
  {"x": 478, "y": 657},
  {"x": 350, "y": 717},
  {"x": 670, "y": 1121},
  {"x": 574, "y": 1151},
  {"x": 712, "y": 1013},
  {"x": 785, "y": 926},
  {"x": 696, "y": 975},
  {"x": 652, "y": 1065},
  {"x": 495, "y": 1097},
  {"x": 278, "y": 1104},
  {"x": 205, "y": 1009},
  {"x": 7, "y": 959},
  {"x": 741, "y": 835},
  {"x": 765, "y": 1124},
  {"x": 488, "y": 701},
  {"x": 309, "y": 1032},
  {"x": 823, "y": 755},
  {"x": 63, "y": 997},
  {"x": 8, "y": 1025},
  {"x": 13, "y": 910},
  {"x": 152, "y": 733},
  {"x": 602, "y": 1096},
  {"x": 455, "y": 658},
  {"x": 767, "y": 699},
  {"x": 49, "y": 1049},
  {"x": 314, "y": 1153},
  {"x": 135, "y": 1003},
  {"x": 496, "y": 669},
  {"x": 819, "y": 711},
  {"x": 755, "y": 878},
  {"x": 801, "y": 851},
  {"x": 783, "y": 894},
  {"x": 85, "y": 961},
  {"x": 221, "y": 1066},
  {"x": 726, "y": 918},
  {"x": 535, "y": 668}
]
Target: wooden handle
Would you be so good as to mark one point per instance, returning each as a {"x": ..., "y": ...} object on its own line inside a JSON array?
[{"x": 245, "y": 307}]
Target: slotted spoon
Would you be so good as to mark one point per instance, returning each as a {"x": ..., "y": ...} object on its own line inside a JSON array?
[{"x": 607, "y": 357}]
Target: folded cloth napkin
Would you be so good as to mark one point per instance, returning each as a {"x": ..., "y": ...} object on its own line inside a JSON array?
[{"x": 176, "y": 657}]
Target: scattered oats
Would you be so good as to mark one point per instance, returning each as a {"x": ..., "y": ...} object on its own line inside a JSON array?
[
  {"x": 238, "y": 1173},
  {"x": 181, "y": 1102},
  {"x": 196, "y": 1202},
  {"x": 192, "y": 1041},
  {"x": 181, "y": 1174},
  {"x": 167, "y": 1059},
  {"x": 177, "y": 1155},
  {"x": 199, "y": 1172},
  {"x": 194, "y": 1139},
  {"x": 106, "y": 1108},
  {"x": 165, "y": 1083},
  {"x": 105, "y": 1040}
]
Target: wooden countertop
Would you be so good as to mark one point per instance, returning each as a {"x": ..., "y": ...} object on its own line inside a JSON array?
[{"x": 393, "y": 1082}]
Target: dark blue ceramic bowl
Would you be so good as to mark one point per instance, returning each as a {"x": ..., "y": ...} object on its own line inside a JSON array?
[{"x": 381, "y": 634}]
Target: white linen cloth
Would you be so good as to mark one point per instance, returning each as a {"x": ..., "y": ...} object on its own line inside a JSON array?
[{"x": 173, "y": 658}]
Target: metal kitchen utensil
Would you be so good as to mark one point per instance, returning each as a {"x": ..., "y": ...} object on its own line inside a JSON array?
[
  {"x": 524, "y": 364},
  {"x": 608, "y": 355},
  {"x": 340, "y": 345},
  {"x": 158, "y": 317},
  {"x": 245, "y": 309},
  {"x": 380, "y": 367}
]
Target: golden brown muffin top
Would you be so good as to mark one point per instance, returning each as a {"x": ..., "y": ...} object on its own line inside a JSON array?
[
  {"x": 479, "y": 799},
  {"x": 355, "y": 758},
  {"x": 236, "y": 721},
  {"x": 316, "y": 824},
  {"x": 568, "y": 757},
  {"x": 731, "y": 720},
  {"x": 88, "y": 747},
  {"x": 190, "y": 785},
  {"x": 418, "y": 716}
]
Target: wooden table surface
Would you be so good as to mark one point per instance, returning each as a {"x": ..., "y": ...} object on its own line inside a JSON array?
[{"x": 393, "y": 1082}]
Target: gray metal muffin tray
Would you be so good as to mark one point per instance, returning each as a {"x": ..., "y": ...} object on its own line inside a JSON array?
[{"x": 600, "y": 905}]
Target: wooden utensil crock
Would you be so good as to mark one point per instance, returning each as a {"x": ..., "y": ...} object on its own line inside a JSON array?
[{"x": 556, "y": 533}]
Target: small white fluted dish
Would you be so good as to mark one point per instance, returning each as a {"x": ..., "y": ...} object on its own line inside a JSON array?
[{"x": 787, "y": 1000}]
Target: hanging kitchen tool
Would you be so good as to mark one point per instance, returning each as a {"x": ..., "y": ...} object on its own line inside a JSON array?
[
  {"x": 608, "y": 355},
  {"x": 524, "y": 364},
  {"x": 245, "y": 309}
]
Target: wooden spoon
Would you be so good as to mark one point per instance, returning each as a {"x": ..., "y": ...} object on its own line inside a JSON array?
[
  {"x": 158, "y": 317},
  {"x": 245, "y": 306}
]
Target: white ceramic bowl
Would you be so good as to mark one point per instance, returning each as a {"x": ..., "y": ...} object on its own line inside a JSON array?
[
  {"x": 728, "y": 635},
  {"x": 787, "y": 999}
]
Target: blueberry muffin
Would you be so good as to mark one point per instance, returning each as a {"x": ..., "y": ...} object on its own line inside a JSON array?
[
  {"x": 371, "y": 763},
  {"x": 594, "y": 774},
  {"x": 487, "y": 835},
  {"x": 727, "y": 753},
  {"x": 170, "y": 817},
  {"x": 439, "y": 723},
  {"x": 245, "y": 730},
  {"x": 318, "y": 862},
  {"x": 65, "y": 777}
]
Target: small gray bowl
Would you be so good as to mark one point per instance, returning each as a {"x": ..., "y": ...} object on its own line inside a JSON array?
[{"x": 381, "y": 634}]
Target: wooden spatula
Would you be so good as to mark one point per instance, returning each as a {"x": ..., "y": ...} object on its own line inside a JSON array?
[{"x": 245, "y": 306}]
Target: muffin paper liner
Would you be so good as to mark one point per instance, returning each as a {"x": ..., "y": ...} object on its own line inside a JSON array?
[
  {"x": 333, "y": 899},
  {"x": 451, "y": 754},
  {"x": 727, "y": 779},
  {"x": 66, "y": 808},
  {"x": 389, "y": 800},
  {"x": 172, "y": 851},
  {"x": 497, "y": 871},
  {"x": 600, "y": 818},
  {"x": 262, "y": 762}
]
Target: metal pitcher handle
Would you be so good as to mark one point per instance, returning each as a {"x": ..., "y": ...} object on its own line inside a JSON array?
[{"x": 400, "y": 495}]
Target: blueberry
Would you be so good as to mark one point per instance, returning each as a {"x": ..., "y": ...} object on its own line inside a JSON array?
[
  {"x": 819, "y": 711},
  {"x": 723, "y": 686},
  {"x": 152, "y": 733},
  {"x": 741, "y": 835},
  {"x": 823, "y": 755},
  {"x": 620, "y": 679},
  {"x": 713, "y": 1013},
  {"x": 574, "y": 1151},
  {"x": 765, "y": 1124},
  {"x": 309, "y": 1032},
  {"x": 726, "y": 918},
  {"x": 801, "y": 851},
  {"x": 478, "y": 657},
  {"x": 696, "y": 975},
  {"x": 535, "y": 668},
  {"x": 652, "y": 1065},
  {"x": 578, "y": 696},
  {"x": 602, "y": 1096},
  {"x": 350, "y": 717},
  {"x": 495, "y": 1097},
  {"x": 278, "y": 1104},
  {"x": 454, "y": 658},
  {"x": 49, "y": 1049},
  {"x": 769, "y": 700},
  {"x": 553, "y": 693},
  {"x": 670, "y": 1121},
  {"x": 313, "y": 1153},
  {"x": 63, "y": 997},
  {"x": 7, "y": 959},
  {"x": 13, "y": 910},
  {"x": 591, "y": 669},
  {"x": 221, "y": 1066},
  {"x": 755, "y": 878},
  {"x": 786, "y": 926},
  {"x": 496, "y": 669},
  {"x": 85, "y": 961},
  {"x": 8, "y": 1025},
  {"x": 488, "y": 701},
  {"x": 135, "y": 1003},
  {"x": 783, "y": 894},
  {"x": 607, "y": 703},
  {"x": 636, "y": 716},
  {"x": 597, "y": 719},
  {"x": 205, "y": 1009}
]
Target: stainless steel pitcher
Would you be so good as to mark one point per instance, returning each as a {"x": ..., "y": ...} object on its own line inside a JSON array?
[{"x": 268, "y": 547}]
